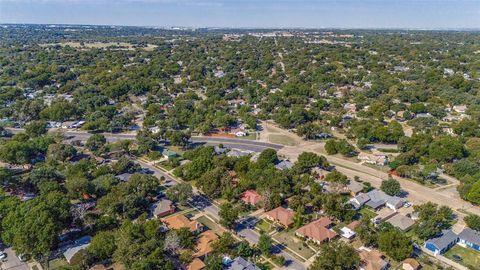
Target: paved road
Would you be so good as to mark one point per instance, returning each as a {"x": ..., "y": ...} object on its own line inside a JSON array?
[
  {"x": 12, "y": 262},
  {"x": 243, "y": 144},
  {"x": 245, "y": 231}
]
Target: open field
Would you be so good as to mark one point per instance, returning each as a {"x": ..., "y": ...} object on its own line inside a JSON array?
[{"x": 281, "y": 139}]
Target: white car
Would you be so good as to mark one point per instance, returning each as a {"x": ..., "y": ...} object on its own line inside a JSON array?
[
  {"x": 3, "y": 256},
  {"x": 407, "y": 204}
]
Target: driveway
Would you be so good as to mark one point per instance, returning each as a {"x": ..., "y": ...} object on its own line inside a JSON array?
[{"x": 12, "y": 262}]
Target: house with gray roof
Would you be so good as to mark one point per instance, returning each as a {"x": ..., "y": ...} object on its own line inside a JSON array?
[
  {"x": 402, "y": 222},
  {"x": 162, "y": 208},
  {"x": 359, "y": 200},
  {"x": 379, "y": 198},
  {"x": 241, "y": 264},
  {"x": 79, "y": 245},
  {"x": 469, "y": 238},
  {"x": 284, "y": 165},
  {"x": 442, "y": 243}
]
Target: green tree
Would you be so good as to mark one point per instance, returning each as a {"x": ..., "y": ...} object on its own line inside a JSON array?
[
  {"x": 473, "y": 221},
  {"x": 228, "y": 214},
  {"x": 336, "y": 255},
  {"x": 391, "y": 187},
  {"x": 61, "y": 152},
  {"x": 432, "y": 219},
  {"x": 265, "y": 244},
  {"x": 395, "y": 244},
  {"x": 36, "y": 128},
  {"x": 180, "y": 193},
  {"x": 103, "y": 245},
  {"x": 96, "y": 142}
]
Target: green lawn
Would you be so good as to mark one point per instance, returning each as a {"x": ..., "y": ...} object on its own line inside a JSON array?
[
  {"x": 469, "y": 256},
  {"x": 289, "y": 239},
  {"x": 264, "y": 226},
  {"x": 365, "y": 212},
  {"x": 57, "y": 263},
  {"x": 281, "y": 139},
  {"x": 210, "y": 224}
]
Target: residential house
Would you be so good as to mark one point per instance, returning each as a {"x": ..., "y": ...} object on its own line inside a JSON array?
[
  {"x": 124, "y": 177},
  {"x": 204, "y": 243},
  {"x": 168, "y": 154},
  {"x": 196, "y": 264},
  {"x": 78, "y": 245},
  {"x": 354, "y": 187},
  {"x": 284, "y": 165},
  {"x": 470, "y": 238},
  {"x": 442, "y": 243},
  {"x": 349, "y": 230},
  {"x": 180, "y": 221},
  {"x": 237, "y": 153},
  {"x": 317, "y": 231},
  {"x": 240, "y": 263},
  {"x": 375, "y": 159},
  {"x": 372, "y": 260},
  {"x": 359, "y": 200},
  {"x": 251, "y": 197},
  {"x": 402, "y": 222},
  {"x": 379, "y": 198},
  {"x": 383, "y": 214},
  {"x": 410, "y": 264},
  {"x": 162, "y": 208},
  {"x": 281, "y": 216},
  {"x": 460, "y": 108}
]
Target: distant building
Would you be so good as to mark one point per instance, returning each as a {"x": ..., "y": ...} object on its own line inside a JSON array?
[{"x": 375, "y": 159}]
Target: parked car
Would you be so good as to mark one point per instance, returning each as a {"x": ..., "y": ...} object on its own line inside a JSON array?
[{"x": 3, "y": 256}]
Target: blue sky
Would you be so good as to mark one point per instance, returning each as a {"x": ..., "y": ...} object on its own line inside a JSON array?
[{"x": 248, "y": 13}]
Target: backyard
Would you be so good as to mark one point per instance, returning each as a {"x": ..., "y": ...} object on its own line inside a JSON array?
[{"x": 296, "y": 244}]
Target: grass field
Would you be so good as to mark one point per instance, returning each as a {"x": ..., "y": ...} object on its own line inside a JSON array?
[
  {"x": 367, "y": 213},
  {"x": 281, "y": 139},
  {"x": 264, "y": 226},
  {"x": 470, "y": 257},
  {"x": 289, "y": 239}
]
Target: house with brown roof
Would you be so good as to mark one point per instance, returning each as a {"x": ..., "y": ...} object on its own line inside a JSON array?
[
  {"x": 180, "y": 221},
  {"x": 204, "y": 243},
  {"x": 372, "y": 259},
  {"x": 410, "y": 264},
  {"x": 317, "y": 231},
  {"x": 196, "y": 264},
  {"x": 281, "y": 216},
  {"x": 251, "y": 197}
]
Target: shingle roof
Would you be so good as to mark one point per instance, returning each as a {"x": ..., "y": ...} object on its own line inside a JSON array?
[
  {"x": 470, "y": 235},
  {"x": 317, "y": 230},
  {"x": 281, "y": 215},
  {"x": 241, "y": 264},
  {"x": 402, "y": 222},
  {"x": 444, "y": 240}
]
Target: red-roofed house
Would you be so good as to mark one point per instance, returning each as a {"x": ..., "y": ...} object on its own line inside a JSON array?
[
  {"x": 281, "y": 216},
  {"x": 251, "y": 197},
  {"x": 317, "y": 231}
]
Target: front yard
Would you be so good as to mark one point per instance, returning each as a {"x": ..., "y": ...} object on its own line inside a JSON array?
[
  {"x": 469, "y": 257},
  {"x": 296, "y": 244}
]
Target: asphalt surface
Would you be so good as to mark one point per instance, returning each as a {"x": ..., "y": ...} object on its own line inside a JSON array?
[{"x": 13, "y": 262}]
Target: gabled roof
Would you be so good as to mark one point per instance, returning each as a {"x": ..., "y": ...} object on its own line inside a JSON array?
[
  {"x": 251, "y": 197},
  {"x": 402, "y": 222},
  {"x": 180, "y": 221},
  {"x": 196, "y": 264},
  {"x": 162, "y": 207},
  {"x": 414, "y": 264},
  {"x": 241, "y": 264},
  {"x": 281, "y": 215},
  {"x": 372, "y": 260},
  {"x": 284, "y": 164},
  {"x": 204, "y": 243},
  {"x": 470, "y": 235},
  {"x": 444, "y": 240},
  {"x": 317, "y": 230}
]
